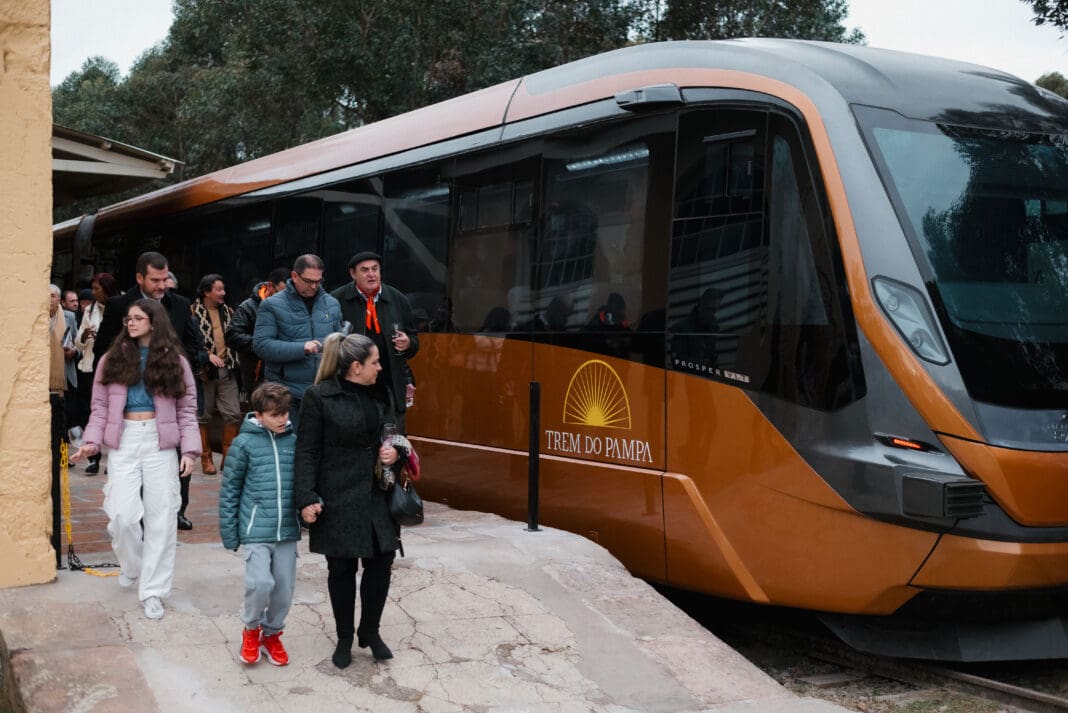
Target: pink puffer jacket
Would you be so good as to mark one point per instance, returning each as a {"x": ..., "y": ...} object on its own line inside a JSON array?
[{"x": 176, "y": 419}]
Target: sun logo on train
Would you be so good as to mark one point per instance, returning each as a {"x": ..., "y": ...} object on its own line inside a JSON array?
[{"x": 596, "y": 397}]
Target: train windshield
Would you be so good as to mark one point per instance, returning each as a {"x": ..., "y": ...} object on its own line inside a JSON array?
[{"x": 986, "y": 213}]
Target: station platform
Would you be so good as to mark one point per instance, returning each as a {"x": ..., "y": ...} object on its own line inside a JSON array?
[{"x": 482, "y": 616}]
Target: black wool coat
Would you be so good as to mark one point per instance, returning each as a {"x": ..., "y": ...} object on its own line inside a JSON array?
[{"x": 334, "y": 464}]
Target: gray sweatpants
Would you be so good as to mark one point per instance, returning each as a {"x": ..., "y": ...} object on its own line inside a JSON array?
[{"x": 270, "y": 576}]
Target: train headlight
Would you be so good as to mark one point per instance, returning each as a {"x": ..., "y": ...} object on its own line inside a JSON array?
[{"x": 908, "y": 312}]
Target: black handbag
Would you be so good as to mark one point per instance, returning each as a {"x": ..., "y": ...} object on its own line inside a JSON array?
[{"x": 405, "y": 505}]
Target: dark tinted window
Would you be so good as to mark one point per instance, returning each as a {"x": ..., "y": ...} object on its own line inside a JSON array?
[
  {"x": 296, "y": 227},
  {"x": 415, "y": 222},
  {"x": 351, "y": 224},
  {"x": 598, "y": 243},
  {"x": 253, "y": 258},
  {"x": 757, "y": 292},
  {"x": 492, "y": 249},
  {"x": 985, "y": 212}
]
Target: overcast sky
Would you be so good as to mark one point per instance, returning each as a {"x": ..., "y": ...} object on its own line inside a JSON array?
[{"x": 996, "y": 33}]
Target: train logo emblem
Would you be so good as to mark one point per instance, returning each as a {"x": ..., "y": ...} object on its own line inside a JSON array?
[{"x": 596, "y": 397}]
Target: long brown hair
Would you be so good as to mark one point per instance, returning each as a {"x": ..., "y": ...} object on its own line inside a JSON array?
[{"x": 163, "y": 368}]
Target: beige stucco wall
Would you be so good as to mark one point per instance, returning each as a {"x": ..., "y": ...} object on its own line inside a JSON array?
[{"x": 26, "y": 555}]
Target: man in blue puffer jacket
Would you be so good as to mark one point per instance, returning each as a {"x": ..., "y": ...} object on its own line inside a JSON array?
[
  {"x": 291, "y": 326},
  {"x": 256, "y": 510}
]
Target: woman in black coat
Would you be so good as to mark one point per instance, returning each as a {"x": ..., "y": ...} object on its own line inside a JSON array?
[{"x": 338, "y": 442}]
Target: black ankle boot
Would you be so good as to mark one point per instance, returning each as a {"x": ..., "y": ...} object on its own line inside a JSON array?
[
  {"x": 378, "y": 647},
  {"x": 343, "y": 652}
]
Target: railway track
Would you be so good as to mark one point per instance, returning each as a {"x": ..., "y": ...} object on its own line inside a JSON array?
[
  {"x": 930, "y": 676},
  {"x": 794, "y": 649}
]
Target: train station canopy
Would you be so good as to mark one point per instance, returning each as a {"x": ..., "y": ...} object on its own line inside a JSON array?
[{"x": 85, "y": 165}]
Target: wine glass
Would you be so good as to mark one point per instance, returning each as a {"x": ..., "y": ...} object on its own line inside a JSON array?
[{"x": 389, "y": 430}]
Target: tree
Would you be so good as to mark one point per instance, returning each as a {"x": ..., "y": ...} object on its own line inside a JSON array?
[
  {"x": 1054, "y": 12},
  {"x": 88, "y": 99},
  {"x": 1055, "y": 82},
  {"x": 235, "y": 80},
  {"x": 724, "y": 19}
]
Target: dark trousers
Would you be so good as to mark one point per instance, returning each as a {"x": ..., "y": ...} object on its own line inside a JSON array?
[
  {"x": 84, "y": 397},
  {"x": 59, "y": 434},
  {"x": 374, "y": 589},
  {"x": 183, "y": 485}
]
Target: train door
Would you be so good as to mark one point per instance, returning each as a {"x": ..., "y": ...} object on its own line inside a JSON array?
[
  {"x": 477, "y": 366},
  {"x": 761, "y": 346},
  {"x": 596, "y": 324}
]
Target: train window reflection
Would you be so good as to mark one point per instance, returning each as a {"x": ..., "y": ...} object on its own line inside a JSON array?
[
  {"x": 490, "y": 266},
  {"x": 986, "y": 214},
  {"x": 590, "y": 256},
  {"x": 756, "y": 293},
  {"x": 351, "y": 223},
  {"x": 415, "y": 237}
]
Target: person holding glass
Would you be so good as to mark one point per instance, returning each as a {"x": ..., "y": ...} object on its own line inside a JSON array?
[
  {"x": 144, "y": 406},
  {"x": 383, "y": 314},
  {"x": 339, "y": 446}
]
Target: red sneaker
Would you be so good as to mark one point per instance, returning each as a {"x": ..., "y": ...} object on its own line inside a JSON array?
[
  {"x": 250, "y": 645},
  {"x": 276, "y": 653}
]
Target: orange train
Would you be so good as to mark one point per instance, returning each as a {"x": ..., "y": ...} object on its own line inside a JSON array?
[{"x": 797, "y": 309}]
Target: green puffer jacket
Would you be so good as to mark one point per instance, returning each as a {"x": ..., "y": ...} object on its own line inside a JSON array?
[{"x": 256, "y": 496}]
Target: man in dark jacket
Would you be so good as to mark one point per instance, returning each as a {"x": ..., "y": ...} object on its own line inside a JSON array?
[
  {"x": 291, "y": 327},
  {"x": 384, "y": 314},
  {"x": 151, "y": 273},
  {"x": 243, "y": 325}
]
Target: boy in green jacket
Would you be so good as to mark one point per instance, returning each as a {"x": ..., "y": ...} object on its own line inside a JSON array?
[{"x": 256, "y": 510}]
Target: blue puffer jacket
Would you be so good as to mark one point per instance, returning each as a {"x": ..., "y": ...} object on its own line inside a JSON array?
[
  {"x": 283, "y": 325},
  {"x": 256, "y": 496}
]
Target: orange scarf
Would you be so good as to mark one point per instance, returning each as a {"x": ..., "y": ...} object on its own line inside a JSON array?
[{"x": 372, "y": 313}]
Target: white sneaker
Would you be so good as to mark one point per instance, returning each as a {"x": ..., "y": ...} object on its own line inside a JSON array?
[
  {"x": 126, "y": 582},
  {"x": 153, "y": 608}
]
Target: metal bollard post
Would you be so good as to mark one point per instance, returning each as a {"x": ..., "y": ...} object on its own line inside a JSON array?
[{"x": 534, "y": 456}]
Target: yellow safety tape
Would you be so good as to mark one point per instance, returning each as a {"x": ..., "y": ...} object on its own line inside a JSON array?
[{"x": 64, "y": 482}]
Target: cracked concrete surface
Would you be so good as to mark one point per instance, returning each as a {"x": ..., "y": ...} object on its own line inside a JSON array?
[{"x": 482, "y": 616}]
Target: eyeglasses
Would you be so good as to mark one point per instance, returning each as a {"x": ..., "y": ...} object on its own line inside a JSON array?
[
  {"x": 312, "y": 283},
  {"x": 134, "y": 318}
]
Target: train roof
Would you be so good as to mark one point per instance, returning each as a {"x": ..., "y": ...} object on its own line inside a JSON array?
[{"x": 916, "y": 86}]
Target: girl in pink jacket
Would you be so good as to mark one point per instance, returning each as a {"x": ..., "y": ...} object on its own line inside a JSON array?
[{"x": 144, "y": 407}]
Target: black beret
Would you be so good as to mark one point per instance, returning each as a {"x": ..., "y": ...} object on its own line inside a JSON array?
[
  {"x": 365, "y": 255},
  {"x": 85, "y": 294}
]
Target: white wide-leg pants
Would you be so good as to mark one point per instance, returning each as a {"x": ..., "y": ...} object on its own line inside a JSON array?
[{"x": 143, "y": 486}]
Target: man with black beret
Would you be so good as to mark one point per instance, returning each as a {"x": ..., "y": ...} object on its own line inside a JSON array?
[{"x": 384, "y": 314}]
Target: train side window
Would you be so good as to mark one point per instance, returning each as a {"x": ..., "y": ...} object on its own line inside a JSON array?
[
  {"x": 491, "y": 264},
  {"x": 252, "y": 259},
  {"x": 716, "y": 287},
  {"x": 296, "y": 226},
  {"x": 600, "y": 216},
  {"x": 351, "y": 223},
  {"x": 757, "y": 294},
  {"x": 415, "y": 240},
  {"x": 811, "y": 344}
]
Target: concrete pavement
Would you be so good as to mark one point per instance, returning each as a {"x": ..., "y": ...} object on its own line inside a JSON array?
[{"x": 483, "y": 616}]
